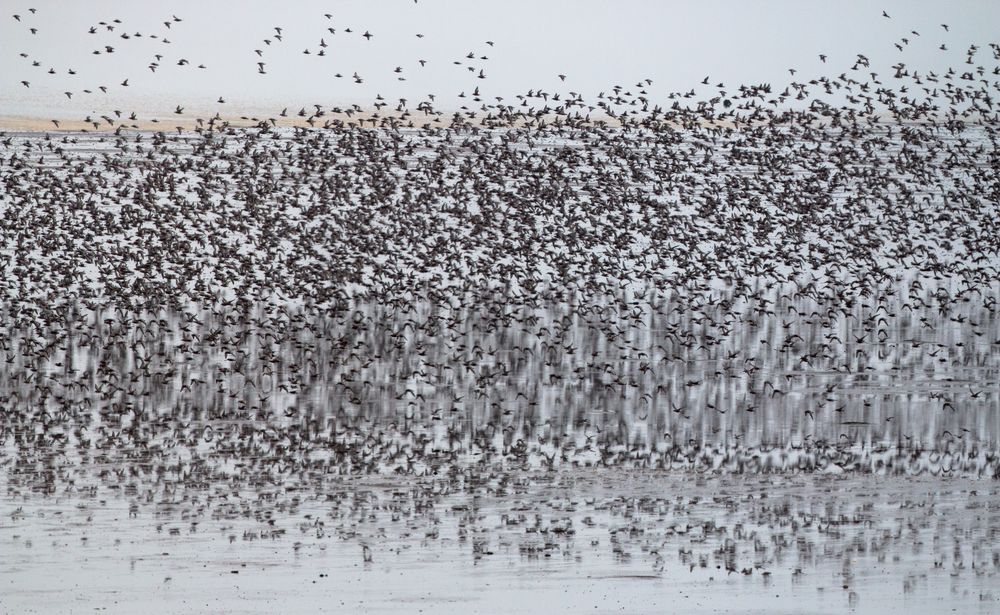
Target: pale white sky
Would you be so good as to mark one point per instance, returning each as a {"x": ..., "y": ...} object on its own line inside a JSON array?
[{"x": 596, "y": 44}]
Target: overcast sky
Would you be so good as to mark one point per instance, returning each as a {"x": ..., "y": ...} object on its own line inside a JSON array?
[{"x": 595, "y": 44}]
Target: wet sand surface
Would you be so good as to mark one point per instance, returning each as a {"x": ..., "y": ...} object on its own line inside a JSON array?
[{"x": 596, "y": 541}]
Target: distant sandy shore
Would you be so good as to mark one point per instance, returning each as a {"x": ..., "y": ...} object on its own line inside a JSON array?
[
  {"x": 169, "y": 123},
  {"x": 35, "y": 124}
]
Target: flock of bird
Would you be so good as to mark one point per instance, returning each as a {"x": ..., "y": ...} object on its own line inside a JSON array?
[
  {"x": 762, "y": 280},
  {"x": 659, "y": 285},
  {"x": 112, "y": 35}
]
